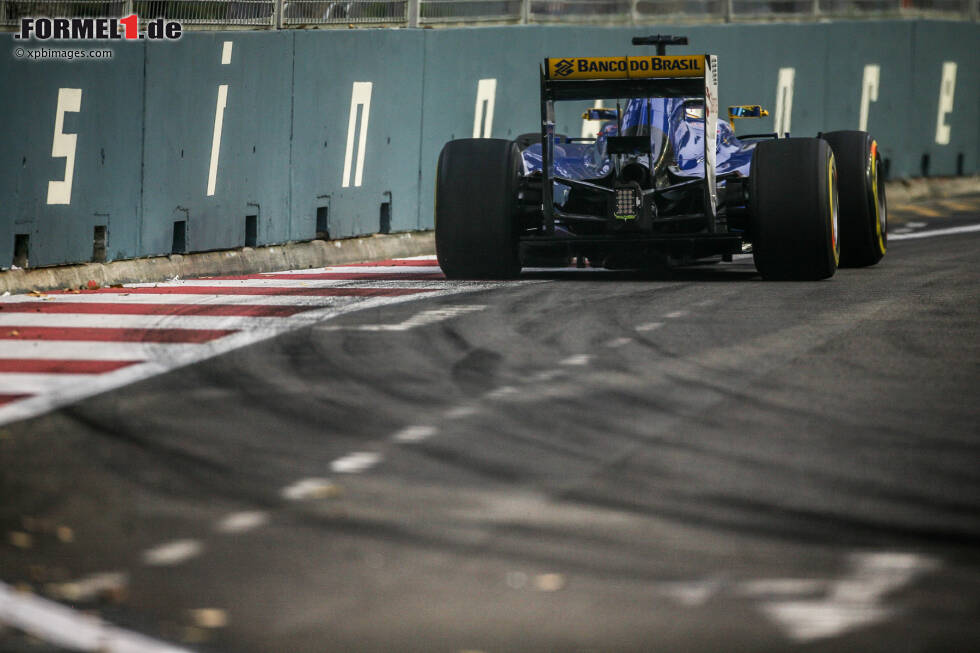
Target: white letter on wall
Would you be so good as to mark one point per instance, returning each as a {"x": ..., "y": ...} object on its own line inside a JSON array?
[
  {"x": 63, "y": 145},
  {"x": 486, "y": 93},
  {"x": 869, "y": 92},
  {"x": 784, "y": 100},
  {"x": 219, "y": 121},
  {"x": 360, "y": 96},
  {"x": 946, "y": 90}
]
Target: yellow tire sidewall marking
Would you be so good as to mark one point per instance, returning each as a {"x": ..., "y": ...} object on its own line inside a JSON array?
[
  {"x": 874, "y": 190},
  {"x": 832, "y": 197}
]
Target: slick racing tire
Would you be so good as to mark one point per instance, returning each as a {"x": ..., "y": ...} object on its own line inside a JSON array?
[
  {"x": 793, "y": 209},
  {"x": 863, "y": 210},
  {"x": 476, "y": 209}
]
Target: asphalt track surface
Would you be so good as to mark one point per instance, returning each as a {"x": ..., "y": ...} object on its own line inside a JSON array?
[{"x": 584, "y": 461}]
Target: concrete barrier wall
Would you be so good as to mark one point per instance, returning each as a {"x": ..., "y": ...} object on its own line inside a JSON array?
[{"x": 239, "y": 138}]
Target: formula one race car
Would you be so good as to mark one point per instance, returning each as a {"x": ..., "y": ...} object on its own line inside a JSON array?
[{"x": 663, "y": 182}]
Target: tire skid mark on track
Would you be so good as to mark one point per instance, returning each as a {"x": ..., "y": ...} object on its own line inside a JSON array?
[{"x": 117, "y": 336}]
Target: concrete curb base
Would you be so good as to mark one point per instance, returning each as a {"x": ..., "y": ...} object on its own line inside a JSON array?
[
  {"x": 902, "y": 191},
  {"x": 291, "y": 256},
  {"x": 320, "y": 253}
]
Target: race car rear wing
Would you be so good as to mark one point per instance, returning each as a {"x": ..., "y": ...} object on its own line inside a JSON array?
[{"x": 593, "y": 78}]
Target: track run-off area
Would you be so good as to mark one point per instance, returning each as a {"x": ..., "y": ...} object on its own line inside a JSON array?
[{"x": 371, "y": 457}]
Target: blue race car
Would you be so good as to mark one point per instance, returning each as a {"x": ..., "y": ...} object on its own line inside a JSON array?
[{"x": 663, "y": 182}]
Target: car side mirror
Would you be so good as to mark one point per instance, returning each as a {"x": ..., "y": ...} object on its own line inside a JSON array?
[
  {"x": 745, "y": 111},
  {"x": 599, "y": 113}
]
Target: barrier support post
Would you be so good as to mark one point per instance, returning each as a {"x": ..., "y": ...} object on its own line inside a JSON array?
[{"x": 413, "y": 13}]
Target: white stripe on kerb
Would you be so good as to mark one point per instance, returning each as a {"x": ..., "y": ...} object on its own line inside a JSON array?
[
  {"x": 32, "y": 384},
  {"x": 109, "y": 320},
  {"x": 92, "y": 351},
  {"x": 191, "y": 299},
  {"x": 61, "y": 626}
]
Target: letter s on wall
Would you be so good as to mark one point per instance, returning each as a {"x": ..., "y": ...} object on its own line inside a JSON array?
[{"x": 63, "y": 145}]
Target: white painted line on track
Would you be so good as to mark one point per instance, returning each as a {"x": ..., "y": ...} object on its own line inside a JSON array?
[
  {"x": 424, "y": 318},
  {"x": 241, "y": 522},
  {"x": 414, "y": 433},
  {"x": 675, "y": 314},
  {"x": 689, "y": 593},
  {"x": 548, "y": 375},
  {"x": 578, "y": 359},
  {"x": 615, "y": 343},
  {"x": 89, "y": 587},
  {"x": 61, "y": 626},
  {"x": 356, "y": 462},
  {"x": 460, "y": 412},
  {"x": 777, "y": 587},
  {"x": 308, "y": 488},
  {"x": 649, "y": 326},
  {"x": 853, "y": 601},
  {"x": 965, "y": 229},
  {"x": 503, "y": 392},
  {"x": 172, "y": 553}
]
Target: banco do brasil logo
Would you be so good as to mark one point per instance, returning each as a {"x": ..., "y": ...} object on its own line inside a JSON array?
[{"x": 564, "y": 68}]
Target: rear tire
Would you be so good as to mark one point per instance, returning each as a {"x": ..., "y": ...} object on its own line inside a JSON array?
[
  {"x": 476, "y": 209},
  {"x": 793, "y": 209},
  {"x": 863, "y": 209}
]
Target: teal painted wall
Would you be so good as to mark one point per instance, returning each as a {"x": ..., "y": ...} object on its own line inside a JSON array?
[{"x": 146, "y": 124}]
